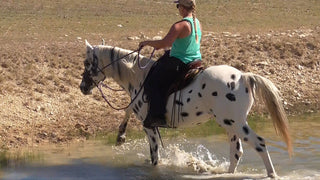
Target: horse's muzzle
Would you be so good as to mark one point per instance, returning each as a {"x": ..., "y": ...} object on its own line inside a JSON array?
[{"x": 85, "y": 89}]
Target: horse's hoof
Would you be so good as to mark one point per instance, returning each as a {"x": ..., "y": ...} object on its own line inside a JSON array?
[
  {"x": 120, "y": 140},
  {"x": 272, "y": 175}
]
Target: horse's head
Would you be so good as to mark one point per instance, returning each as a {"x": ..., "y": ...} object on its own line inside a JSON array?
[{"x": 92, "y": 74}]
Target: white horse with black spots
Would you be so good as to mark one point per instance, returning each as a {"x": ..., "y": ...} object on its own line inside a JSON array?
[{"x": 222, "y": 92}]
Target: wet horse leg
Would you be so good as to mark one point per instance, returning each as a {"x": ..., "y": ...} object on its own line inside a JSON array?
[
  {"x": 236, "y": 152},
  {"x": 153, "y": 138},
  {"x": 244, "y": 132},
  {"x": 121, "y": 138},
  {"x": 240, "y": 130}
]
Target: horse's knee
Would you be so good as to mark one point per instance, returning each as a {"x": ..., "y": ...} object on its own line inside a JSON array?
[
  {"x": 121, "y": 138},
  {"x": 123, "y": 127}
]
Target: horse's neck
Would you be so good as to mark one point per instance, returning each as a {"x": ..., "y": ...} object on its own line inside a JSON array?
[{"x": 126, "y": 72}]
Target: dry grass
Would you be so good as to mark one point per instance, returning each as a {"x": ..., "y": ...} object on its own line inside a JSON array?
[{"x": 53, "y": 20}]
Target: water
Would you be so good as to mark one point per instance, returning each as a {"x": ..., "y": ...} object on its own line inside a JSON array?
[{"x": 182, "y": 158}]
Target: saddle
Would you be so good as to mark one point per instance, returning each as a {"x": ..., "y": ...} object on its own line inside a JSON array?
[
  {"x": 190, "y": 71},
  {"x": 194, "y": 69}
]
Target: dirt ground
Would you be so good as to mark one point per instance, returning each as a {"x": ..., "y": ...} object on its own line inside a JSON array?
[{"x": 40, "y": 99}]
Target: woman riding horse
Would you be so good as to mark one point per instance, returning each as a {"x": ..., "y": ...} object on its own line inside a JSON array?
[{"x": 184, "y": 39}]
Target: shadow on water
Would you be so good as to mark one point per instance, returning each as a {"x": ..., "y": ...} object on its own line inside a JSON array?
[{"x": 196, "y": 153}]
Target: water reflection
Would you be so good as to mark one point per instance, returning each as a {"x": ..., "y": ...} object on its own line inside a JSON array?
[
  {"x": 182, "y": 158},
  {"x": 17, "y": 158}
]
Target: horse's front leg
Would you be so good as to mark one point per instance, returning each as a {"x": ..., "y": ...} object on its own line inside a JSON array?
[
  {"x": 153, "y": 138},
  {"x": 121, "y": 138}
]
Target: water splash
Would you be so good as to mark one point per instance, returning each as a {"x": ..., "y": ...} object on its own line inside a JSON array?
[
  {"x": 195, "y": 159},
  {"x": 181, "y": 155},
  {"x": 201, "y": 160},
  {"x": 138, "y": 145}
]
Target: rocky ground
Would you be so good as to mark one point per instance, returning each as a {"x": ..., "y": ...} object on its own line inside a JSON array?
[
  {"x": 290, "y": 59},
  {"x": 41, "y": 101}
]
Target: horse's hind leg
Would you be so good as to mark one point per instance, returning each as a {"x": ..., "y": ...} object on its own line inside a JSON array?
[
  {"x": 236, "y": 151},
  {"x": 249, "y": 136},
  {"x": 153, "y": 138},
  {"x": 121, "y": 138}
]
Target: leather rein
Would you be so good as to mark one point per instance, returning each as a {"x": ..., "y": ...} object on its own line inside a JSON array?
[{"x": 101, "y": 84}]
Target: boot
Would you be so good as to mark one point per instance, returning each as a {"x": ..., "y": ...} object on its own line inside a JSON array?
[{"x": 155, "y": 121}]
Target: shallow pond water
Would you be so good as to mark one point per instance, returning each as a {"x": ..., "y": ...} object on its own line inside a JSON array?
[{"x": 182, "y": 158}]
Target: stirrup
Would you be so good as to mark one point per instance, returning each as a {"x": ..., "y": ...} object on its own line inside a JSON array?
[{"x": 152, "y": 122}]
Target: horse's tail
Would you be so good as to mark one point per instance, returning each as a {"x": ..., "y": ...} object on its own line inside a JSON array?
[{"x": 264, "y": 89}]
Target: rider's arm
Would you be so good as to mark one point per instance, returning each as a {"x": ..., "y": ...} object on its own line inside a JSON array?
[{"x": 168, "y": 40}]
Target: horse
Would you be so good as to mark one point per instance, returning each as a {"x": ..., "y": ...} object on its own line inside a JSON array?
[{"x": 221, "y": 92}]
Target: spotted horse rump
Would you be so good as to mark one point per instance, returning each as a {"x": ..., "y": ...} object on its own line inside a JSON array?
[{"x": 222, "y": 92}]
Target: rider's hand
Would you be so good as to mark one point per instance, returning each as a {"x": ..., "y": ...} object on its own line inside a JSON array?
[{"x": 142, "y": 44}]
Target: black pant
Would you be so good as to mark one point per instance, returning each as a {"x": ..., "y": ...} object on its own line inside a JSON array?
[{"x": 165, "y": 72}]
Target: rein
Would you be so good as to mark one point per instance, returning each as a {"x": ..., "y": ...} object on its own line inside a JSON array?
[
  {"x": 137, "y": 50},
  {"x": 107, "y": 101},
  {"x": 101, "y": 84}
]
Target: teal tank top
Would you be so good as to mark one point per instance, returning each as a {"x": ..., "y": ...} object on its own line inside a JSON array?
[{"x": 187, "y": 49}]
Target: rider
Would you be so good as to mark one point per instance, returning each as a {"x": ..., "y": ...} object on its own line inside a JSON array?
[{"x": 184, "y": 39}]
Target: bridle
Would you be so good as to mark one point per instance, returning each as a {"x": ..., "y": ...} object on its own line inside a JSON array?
[
  {"x": 95, "y": 70},
  {"x": 95, "y": 60}
]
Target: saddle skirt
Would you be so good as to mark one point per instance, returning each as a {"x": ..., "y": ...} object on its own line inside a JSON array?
[{"x": 194, "y": 69}]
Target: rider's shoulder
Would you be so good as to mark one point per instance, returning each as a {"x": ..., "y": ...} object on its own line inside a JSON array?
[{"x": 181, "y": 24}]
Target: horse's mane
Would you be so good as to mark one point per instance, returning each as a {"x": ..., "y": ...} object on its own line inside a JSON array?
[{"x": 129, "y": 62}]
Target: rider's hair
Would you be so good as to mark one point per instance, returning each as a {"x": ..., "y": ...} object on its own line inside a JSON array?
[{"x": 193, "y": 9}]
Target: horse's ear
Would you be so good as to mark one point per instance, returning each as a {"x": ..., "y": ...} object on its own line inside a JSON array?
[
  {"x": 89, "y": 47},
  {"x": 103, "y": 42}
]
